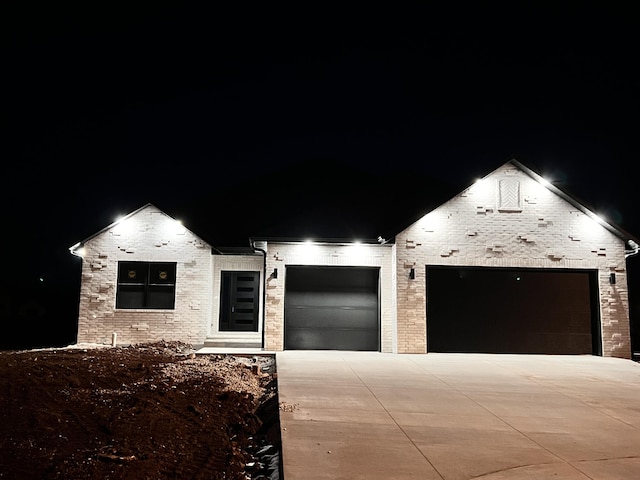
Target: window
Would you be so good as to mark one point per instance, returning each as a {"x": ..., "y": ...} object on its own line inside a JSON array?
[{"x": 146, "y": 285}]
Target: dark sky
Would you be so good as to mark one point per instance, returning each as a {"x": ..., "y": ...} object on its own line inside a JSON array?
[{"x": 105, "y": 109}]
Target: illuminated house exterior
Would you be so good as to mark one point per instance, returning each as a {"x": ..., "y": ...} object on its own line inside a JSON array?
[{"x": 509, "y": 265}]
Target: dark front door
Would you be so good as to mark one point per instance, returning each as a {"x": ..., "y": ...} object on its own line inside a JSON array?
[{"x": 239, "y": 296}]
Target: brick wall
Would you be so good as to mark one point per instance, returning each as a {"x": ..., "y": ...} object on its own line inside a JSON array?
[
  {"x": 146, "y": 235},
  {"x": 506, "y": 220},
  {"x": 510, "y": 220}
]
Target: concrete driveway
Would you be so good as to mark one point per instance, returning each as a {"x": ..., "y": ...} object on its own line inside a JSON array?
[{"x": 369, "y": 415}]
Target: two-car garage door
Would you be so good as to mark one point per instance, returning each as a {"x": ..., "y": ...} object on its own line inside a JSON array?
[
  {"x": 332, "y": 308},
  {"x": 504, "y": 310}
]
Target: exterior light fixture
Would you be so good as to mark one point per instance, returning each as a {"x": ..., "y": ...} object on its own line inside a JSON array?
[
  {"x": 612, "y": 278},
  {"x": 412, "y": 274},
  {"x": 275, "y": 273}
]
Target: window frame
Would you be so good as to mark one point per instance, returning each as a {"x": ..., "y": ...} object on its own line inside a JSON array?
[{"x": 146, "y": 285}]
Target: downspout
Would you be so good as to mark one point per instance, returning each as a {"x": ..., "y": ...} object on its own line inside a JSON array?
[
  {"x": 633, "y": 251},
  {"x": 264, "y": 286}
]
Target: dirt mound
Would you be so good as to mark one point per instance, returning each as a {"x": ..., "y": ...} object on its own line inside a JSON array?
[{"x": 152, "y": 411}]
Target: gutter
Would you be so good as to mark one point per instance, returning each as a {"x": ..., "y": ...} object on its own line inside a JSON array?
[
  {"x": 635, "y": 249},
  {"x": 74, "y": 249}
]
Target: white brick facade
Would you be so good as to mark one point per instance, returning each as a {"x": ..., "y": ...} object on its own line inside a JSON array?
[
  {"x": 146, "y": 235},
  {"x": 509, "y": 219}
]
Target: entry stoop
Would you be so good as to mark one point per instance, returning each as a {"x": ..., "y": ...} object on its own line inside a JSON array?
[
  {"x": 251, "y": 340},
  {"x": 232, "y": 347},
  {"x": 230, "y": 344}
]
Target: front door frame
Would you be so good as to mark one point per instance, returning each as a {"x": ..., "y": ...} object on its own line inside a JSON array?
[{"x": 239, "y": 301}]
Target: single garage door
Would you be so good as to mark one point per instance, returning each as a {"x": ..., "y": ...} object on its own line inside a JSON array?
[
  {"x": 502, "y": 310},
  {"x": 331, "y": 308}
]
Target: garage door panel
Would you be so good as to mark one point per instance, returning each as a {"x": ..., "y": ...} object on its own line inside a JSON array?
[
  {"x": 324, "y": 338},
  {"x": 333, "y": 308},
  {"x": 333, "y": 299},
  {"x": 501, "y": 342},
  {"x": 501, "y": 310},
  {"x": 303, "y": 317}
]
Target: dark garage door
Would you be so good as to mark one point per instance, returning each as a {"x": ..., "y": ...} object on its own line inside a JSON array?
[
  {"x": 502, "y": 310},
  {"x": 331, "y": 308}
]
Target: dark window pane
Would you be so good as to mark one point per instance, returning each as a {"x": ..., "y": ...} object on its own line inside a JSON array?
[
  {"x": 161, "y": 297},
  {"x": 130, "y": 296},
  {"x": 132, "y": 272},
  {"x": 162, "y": 273}
]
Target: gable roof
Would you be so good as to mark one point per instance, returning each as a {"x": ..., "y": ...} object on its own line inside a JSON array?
[
  {"x": 359, "y": 207},
  {"x": 578, "y": 204},
  {"x": 612, "y": 227},
  {"x": 73, "y": 249}
]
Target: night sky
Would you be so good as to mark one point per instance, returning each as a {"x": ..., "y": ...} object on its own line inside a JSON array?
[{"x": 107, "y": 109}]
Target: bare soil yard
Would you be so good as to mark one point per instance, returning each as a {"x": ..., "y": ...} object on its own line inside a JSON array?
[{"x": 153, "y": 411}]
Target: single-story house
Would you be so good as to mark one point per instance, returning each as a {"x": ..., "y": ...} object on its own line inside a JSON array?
[{"x": 511, "y": 264}]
